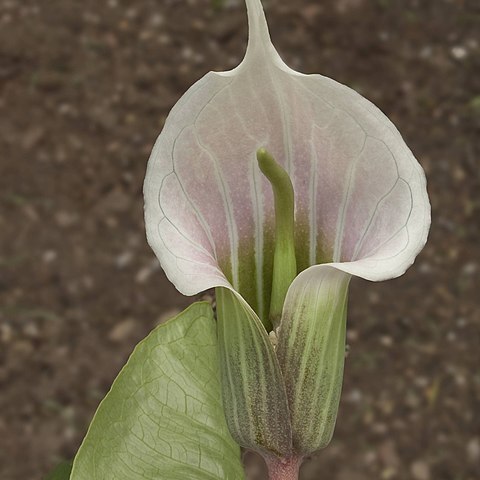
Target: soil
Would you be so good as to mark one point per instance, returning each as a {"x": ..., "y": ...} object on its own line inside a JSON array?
[{"x": 84, "y": 90}]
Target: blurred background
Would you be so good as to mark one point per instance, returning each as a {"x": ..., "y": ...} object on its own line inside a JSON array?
[{"x": 85, "y": 87}]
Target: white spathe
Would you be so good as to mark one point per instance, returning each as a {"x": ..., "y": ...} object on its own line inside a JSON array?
[{"x": 361, "y": 199}]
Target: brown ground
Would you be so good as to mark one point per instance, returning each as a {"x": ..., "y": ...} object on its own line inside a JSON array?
[{"x": 84, "y": 89}]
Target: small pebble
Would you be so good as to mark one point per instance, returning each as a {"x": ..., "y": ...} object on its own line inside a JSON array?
[
  {"x": 122, "y": 330},
  {"x": 470, "y": 268},
  {"x": 65, "y": 219},
  {"x": 123, "y": 259},
  {"x": 355, "y": 396},
  {"x": 458, "y": 52},
  {"x": 386, "y": 341},
  {"x": 420, "y": 470},
  {"x": 49, "y": 256},
  {"x": 6, "y": 333},
  {"x": 473, "y": 450},
  {"x": 31, "y": 330}
]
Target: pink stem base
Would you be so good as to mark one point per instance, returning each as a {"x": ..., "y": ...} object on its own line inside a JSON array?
[{"x": 283, "y": 468}]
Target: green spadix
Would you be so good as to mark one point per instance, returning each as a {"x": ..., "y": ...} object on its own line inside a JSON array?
[{"x": 284, "y": 261}]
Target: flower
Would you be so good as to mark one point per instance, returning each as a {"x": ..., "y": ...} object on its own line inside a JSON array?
[{"x": 361, "y": 208}]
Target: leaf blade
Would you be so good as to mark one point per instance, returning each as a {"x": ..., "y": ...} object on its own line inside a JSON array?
[{"x": 163, "y": 416}]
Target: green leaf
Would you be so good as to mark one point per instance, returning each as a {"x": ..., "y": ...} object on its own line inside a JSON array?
[
  {"x": 163, "y": 417},
  {"x": 61, "y": 472},
  {"x": 253, "y": 389}
]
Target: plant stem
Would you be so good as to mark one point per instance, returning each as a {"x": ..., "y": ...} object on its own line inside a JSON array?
[{"x": 283, "y": 468}]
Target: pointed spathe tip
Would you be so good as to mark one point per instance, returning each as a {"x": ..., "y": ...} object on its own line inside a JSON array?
[{"x": 258, "y": 34}]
